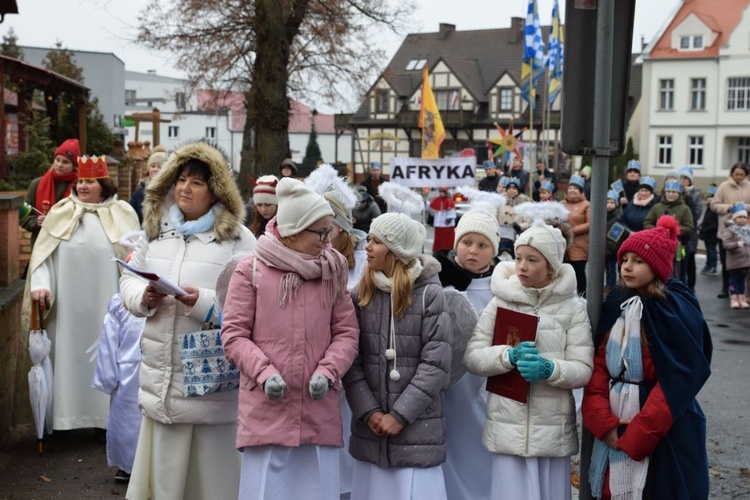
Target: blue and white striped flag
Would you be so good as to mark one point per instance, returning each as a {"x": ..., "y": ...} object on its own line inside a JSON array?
[
  {"x": 532, "y": 67},
  {"x": 555, "y": 57}
]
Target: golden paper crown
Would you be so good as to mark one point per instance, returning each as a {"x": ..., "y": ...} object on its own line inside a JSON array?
[{"x": 92, "y": 167}]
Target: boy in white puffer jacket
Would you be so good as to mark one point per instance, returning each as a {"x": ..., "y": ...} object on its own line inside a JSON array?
[{"x": 532, "y": 443}]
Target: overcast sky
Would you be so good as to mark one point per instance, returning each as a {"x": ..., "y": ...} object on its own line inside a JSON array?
[{"x": 108, "y": 25}]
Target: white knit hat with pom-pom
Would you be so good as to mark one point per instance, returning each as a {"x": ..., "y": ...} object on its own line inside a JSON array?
[
  {"x": 481, "y": 217},
  {"x": 401, "y": 234}
]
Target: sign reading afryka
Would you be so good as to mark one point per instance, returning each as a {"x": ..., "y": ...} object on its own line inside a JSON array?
[{"x": 442, "y": 172}]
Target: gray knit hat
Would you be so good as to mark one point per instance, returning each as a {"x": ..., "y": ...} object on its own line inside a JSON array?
[{"x": 401, "y": 234}]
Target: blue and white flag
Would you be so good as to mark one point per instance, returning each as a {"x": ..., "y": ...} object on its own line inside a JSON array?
[{"x": 532, "y": 67}]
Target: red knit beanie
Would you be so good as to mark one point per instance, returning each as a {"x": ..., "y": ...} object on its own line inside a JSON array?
[
  {"x": 656, "y": 246},
  {"x": 70, "y": 150}
]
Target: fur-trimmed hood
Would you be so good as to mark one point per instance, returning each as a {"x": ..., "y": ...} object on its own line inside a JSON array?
[{"x": 222, "y": 184}]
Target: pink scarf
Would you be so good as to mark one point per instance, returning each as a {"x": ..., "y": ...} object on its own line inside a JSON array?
[{"x": 329, "y": 265}]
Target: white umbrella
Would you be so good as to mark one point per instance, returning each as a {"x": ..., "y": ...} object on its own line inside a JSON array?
[{"x": 40, "y": 375}]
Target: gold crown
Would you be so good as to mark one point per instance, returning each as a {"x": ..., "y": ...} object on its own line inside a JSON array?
[{"x": 92, "y": 167}]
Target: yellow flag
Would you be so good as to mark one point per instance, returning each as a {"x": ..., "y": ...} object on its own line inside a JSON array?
[{"x": 433, "y": 132}]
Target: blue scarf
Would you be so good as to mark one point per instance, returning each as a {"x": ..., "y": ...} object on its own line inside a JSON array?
[{"x": 200, "y": 225}]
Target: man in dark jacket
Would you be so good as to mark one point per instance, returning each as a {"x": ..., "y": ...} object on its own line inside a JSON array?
[
  {"x": 364, "y": 211},
  {"x": 491, "y": 179},
  {"x": 372, "y": 182},
  {"x": 632, "y": 182}
]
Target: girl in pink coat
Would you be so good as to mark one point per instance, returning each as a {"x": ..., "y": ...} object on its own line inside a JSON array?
[{"x": 290, "y": 327}]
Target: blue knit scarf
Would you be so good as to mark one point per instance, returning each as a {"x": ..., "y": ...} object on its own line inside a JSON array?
[{"x": 201, "y": 225}]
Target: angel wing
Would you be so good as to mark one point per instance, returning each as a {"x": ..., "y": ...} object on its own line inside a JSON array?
[
  {"x": 401, "y": 199},
  {"x": 483, "y": 201},
  {"x": 463, "y": 320},
  {"x": 541, "y": 211},
  {"x": 325, "y": 179},
  {"x": 225, "y": 275}
]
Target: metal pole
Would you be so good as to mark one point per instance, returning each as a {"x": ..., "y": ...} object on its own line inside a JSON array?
[{"x": 599, "y": 175}]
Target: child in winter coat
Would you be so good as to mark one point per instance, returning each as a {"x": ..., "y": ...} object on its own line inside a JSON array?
[
  {"x": 531, "y": 444},
  {"x": 616, "y": 234},
  {"x": 395, "y": 387},
  {"x": 468, "y": 268},
  {"x": 116, "y": 374},
  {"x": 653, "y": 356},
  {"x": 264, "y": 204},
  {"x": 708, "y": 232},
  {"x": 506, "y": 215},
  {"x": 289, "y": 326},
  {"x": 546, "y": 190},
  {"x": 736, "y": 241},
  {"x": 638, "y": 208},
  {"x": 672, "y": 203}
]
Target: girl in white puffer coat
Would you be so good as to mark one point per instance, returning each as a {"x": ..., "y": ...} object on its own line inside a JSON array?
[{"x": 532, "y": 443}]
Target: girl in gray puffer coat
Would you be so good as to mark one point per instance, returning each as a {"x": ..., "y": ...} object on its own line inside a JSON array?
[{"x": 395, "y": 387}]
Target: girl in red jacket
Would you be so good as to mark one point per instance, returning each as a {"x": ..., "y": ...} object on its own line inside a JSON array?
[{"x": 651, "y": 362}]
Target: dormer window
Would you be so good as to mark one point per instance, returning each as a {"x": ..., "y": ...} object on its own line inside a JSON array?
[
  {"x": 691, "y": 42},
  {"x": 416, "y": 64}
]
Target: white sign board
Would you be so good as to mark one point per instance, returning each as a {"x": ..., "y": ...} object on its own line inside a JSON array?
[{"x": 442, "y": 172}]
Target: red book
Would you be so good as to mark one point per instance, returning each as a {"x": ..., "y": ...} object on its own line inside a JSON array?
[{"x": 512, "y": 328}]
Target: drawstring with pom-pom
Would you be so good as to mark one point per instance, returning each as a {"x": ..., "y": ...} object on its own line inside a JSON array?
[{"x": 390, "y": 353}]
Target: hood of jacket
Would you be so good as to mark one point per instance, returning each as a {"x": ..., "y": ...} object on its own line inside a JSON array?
[
  {"x": 430, "y": 267},
  {"x": 159, "y": 192},
  {"x": 506, "y": 286}
]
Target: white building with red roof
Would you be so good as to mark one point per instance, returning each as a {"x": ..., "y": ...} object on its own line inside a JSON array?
[{"x": 696, "y": 91}]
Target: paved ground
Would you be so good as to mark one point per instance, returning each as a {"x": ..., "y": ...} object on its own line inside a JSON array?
[{"x": 74, "y": 465}]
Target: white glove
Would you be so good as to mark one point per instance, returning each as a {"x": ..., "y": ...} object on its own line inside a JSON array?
[
  {"x": 319, "y": 386},
  {"x": 274, "y": 387}
]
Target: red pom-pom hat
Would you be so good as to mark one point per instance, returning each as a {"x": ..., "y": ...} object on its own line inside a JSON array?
[{"x": 656, "y": 246}]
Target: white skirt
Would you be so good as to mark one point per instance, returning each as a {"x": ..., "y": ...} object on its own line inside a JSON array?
[
  {"x": 346, "y": 461},
  {"x": 533, "y": 478},
  {"x": 185, "y": 461},
  {"x": 370, "y": 482},
  {"x": 468, "y": 466},
  {"x": 282, "y": 473}
]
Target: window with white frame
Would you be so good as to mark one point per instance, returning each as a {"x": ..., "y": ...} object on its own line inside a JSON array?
[
  {"x": 666, "y": 94},
  {"x": 179, "y": 100},
  {"x": 173, "y": 132},
  {"x": 448, "y": 99},
  {"x": 695, "y": 151},
  {"x": 381, "y": 100},
  {"x": 743, "y": 151},
  {"x": 697, "y": 94},
  {"x": 665, "y": 150},
  {"x": 505, "y": 100},
  {"x": 130, "y": 97},
  {"x": 691, "y": 42},
  {"x": 210, "y": 132},
  {"x": 738, "y": 93}
]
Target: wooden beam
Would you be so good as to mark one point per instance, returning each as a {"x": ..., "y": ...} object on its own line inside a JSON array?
[
  {"x": 82, "y": 139},
  {"x": 3, "y": 128}
]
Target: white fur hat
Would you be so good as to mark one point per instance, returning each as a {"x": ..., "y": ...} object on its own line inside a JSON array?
[
  {"x": 401, "y": 234},
  {"x": 299, "y": 207},
  {"x": 481, "y": 223},
  {"x": 548, "y": 240}
]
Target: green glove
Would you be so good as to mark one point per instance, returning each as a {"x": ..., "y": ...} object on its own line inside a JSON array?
[
  {"x": 517, "y": 352},
  {"x": 533, "y": 367},
  {"x": 274, "y": 387}
]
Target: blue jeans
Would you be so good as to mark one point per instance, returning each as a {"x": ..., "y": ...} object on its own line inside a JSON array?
[
  {"x": 610, "y": 272},
  {"x": 712, "y": 255},
  {"x": 737, "y": 281}
]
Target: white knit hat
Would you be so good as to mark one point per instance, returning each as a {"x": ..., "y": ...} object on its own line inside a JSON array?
[
  {"x": 265, "y": 190},
  {"x": 401, "y": 234},
  {"x": 299, "y": 207},
  {"x": 548, "y": 240},
  {"x": 481, "y": 223}
]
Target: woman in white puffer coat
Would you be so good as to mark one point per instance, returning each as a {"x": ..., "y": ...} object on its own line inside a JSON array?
[
  {"x": 532, "y": 443},
  {"x": 192, "y": 217}
]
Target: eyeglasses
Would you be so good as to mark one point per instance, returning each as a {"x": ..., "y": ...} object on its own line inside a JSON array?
[{"x": 323, "y": 234}]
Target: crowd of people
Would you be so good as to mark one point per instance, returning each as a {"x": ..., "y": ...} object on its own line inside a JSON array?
[{"x": 336, "y": 356}]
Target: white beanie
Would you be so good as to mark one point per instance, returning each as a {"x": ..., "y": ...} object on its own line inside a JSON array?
[
  {"x": 476, "y": 221},
  {"x": 265, "y": 190},
  {"x": 299, "y": 207},
  {"x": 401, "y": 234},
  {"x": 548, "y": 240}
]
